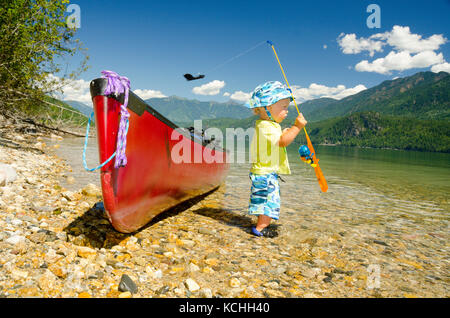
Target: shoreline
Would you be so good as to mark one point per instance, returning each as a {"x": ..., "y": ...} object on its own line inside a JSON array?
[
  {"x": 59, "y": 243},
  {"x": 384, "y": 148}
]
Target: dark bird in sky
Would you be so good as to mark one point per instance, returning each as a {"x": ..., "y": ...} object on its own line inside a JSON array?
[{"x": 189, "y": 77}]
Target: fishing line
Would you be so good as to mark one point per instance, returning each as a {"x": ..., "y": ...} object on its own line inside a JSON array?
[{"x": 235, "y": 57}]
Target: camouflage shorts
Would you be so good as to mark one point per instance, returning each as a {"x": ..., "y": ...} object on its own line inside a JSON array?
[{"x": 265, "y": 195}]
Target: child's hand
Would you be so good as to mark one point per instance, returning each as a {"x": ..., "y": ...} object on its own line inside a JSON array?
[
  {"x": 289, "y": 134},
  {"x": 300, "y": 121}
]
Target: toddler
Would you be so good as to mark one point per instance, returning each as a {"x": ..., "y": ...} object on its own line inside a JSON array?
[{"x": 268, "y": 151}]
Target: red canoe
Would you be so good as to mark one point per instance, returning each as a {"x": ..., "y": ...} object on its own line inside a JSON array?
[{"x": 154, "y": 179}]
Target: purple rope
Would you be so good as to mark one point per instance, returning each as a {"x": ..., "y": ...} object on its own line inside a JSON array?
[{"x": 118, "y": 85}]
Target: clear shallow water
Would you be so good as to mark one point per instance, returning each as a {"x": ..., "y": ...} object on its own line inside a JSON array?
[
  {"x": 404, "y": 176},
  {"x": 71, "y": 149},
  {"x": 369, "y": 183}
]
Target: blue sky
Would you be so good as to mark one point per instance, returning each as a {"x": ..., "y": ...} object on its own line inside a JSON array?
[{"x": 321, "y": 44}]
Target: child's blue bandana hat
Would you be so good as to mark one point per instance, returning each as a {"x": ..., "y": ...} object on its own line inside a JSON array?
[{"x": 268, "y": 93}]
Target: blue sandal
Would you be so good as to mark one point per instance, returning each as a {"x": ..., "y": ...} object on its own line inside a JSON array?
[
  {"x": 256, "y": 232},
  {"x": 270, "y": 231}
]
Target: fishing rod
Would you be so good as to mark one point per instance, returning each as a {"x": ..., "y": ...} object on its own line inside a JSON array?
[{"x": 307, "y": 153}]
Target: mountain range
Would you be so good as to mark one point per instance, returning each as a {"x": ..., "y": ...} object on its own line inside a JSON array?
[
  {"x": 83, "y": 108},
  {"x": 181, "y": 110},
  {"x": 424, "y": 95},
  {"x": 411, "y": 113},
  {"x": 405, "y": 113}
]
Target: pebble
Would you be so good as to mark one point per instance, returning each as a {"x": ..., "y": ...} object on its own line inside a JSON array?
[
  {"x": 193, "y": 267},
  {"x": 91, "y": 190},
  {"x": 2, "y": 178},
  {"x": 86, "y": 252},
  {"x": 19, "y": 274},
  {"x": 15, "y": 239},
  {"x": 271, "y": 285},
  {"x": 327, "y": 279},
  {"x": 380, "y": 242},
  {"x": 70, "y": 180},
  {"x": 16, "y": 222},
  {"x": 127, "y": 284},
  {"x": 7, "y": 174},
  {"x": 47, "y": 281},
  {"x": 155, "y": 274},
  {"x": 163, "y": 290},
  {"x": 126, "y": 294},
  {"x": 206, "y": 293},
  {"x": 69, "y": 195},
  {"x": 191, "y": 285},
  {"x": 234, "y": 282},
  {"x": 311, "y": 272}
]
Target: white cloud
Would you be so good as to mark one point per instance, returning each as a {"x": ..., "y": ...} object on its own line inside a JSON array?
[
  {"x": 402, "y": 39},
  {"x": 226, "y": 94},
  {"x": 325, "y": 46},
  {"x": 211, "y": 88},
  {"x": 444, "y": 67},
  {"x": 408, "y": 51},
  {"x": 400, "y": 61},
  {"x": 77, "y": 90},
  {"x": 351, "y": 45},
  {"x": 348, "y": 92},
  {"x": 241, "y": 96},
  {"x": 314, "y": 91},
  {"x": 148, "y": 93}
]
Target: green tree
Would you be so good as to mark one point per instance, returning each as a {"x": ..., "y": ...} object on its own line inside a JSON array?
[{"x": 34, "y": 39}]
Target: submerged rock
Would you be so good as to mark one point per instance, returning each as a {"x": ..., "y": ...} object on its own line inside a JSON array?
[{"x": 91, "y": 190}]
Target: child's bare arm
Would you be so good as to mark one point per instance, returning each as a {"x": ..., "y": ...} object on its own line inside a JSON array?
[{"x": 289, "y": 134}]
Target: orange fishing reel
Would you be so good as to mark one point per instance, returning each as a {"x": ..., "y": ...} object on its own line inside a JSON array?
[{"x": 307, "y": 156}]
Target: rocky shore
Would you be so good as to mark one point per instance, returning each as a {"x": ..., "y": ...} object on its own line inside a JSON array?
[{"x": 59, "y": 243}]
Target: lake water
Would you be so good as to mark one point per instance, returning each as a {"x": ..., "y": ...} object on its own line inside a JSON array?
[
  {"x": 369, "y": 182},
  {"x": 408, "y": 178}
]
